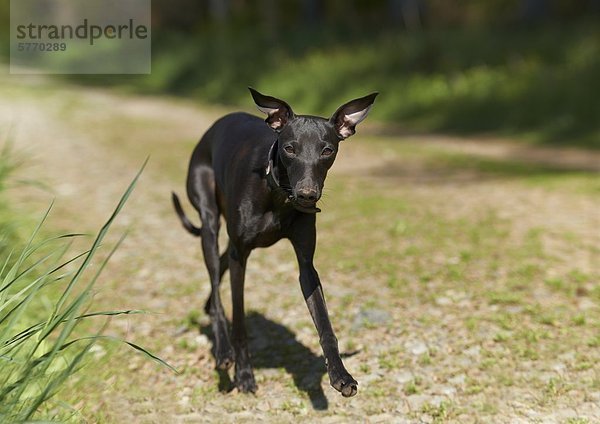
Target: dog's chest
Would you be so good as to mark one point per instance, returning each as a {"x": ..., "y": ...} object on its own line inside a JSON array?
[{"x": 263, "y": 230}]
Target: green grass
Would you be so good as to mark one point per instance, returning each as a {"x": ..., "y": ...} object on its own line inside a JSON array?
[
  {"x": 8, "y": 224},
  {"x": 443, "y": 164},
  {"x": 44, "y": 300}
]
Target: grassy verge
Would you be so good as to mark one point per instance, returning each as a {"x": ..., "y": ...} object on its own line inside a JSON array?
[{"x": 44, "y": 300}]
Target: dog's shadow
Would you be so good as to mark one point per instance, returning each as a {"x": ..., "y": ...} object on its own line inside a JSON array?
[{"x": 273, "y": 345}]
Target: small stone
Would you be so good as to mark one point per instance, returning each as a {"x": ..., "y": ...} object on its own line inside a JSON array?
[
  {"x": 442, "y": 301},
  {"x": 514, "y": 309},
  {"x": 369, "y": 378},
  {"x": 594, "y": 396},
  {"x": 331, "y": 419},
  {"x": 243, "y": 416},
  {"x": 416, "y": 347},
  {"x": 98, "y": 351},
  {"x": 437, "y": 312},
  {"x": 263, "y": 406},
  {"x": 464, "y": 362},
  {"x": 403, "y": 408},
  {"x": 457, "y": 380},
  {"x": 180, "y": 330},
  {"x": 367, "y": 317},
  {"x": 404, "y": 377},
  {"x": 202, "y": 340},
  {"x": 447, "y": 391},
  {"x": 134, "y": 365},
  {"x": 426, "y": 418},
  {"x": 416, "y": 402},
  {"x": 472, "y": 351},
  {"x": 585, "y": 304},
  {"x": 568, "y": 356},
  {"x": 436, "y": 400}
]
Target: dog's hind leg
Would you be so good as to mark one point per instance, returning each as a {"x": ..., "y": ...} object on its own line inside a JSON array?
[
  {"x": 201, "y": 190},
  {"x": 223, "y": 267}
]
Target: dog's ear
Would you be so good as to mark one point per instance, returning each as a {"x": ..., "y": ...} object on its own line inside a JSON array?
[
  {"x": 350, "y": 114},
  {"x": 278, "y": 112}
]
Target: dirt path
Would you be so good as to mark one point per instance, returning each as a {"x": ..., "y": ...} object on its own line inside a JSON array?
[{"x": 413, "y": 354}]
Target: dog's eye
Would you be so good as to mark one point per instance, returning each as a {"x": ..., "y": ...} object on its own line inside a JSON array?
[
  {"x": 327, "y": 151},
  {"x": 289, "y": 149}
]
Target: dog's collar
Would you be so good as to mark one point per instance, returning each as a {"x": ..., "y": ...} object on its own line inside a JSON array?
[
  {"x": 273, "y": 180},
  {"x": 270, "y": 172}
]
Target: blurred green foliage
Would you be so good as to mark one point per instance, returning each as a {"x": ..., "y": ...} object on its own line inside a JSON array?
[
  {"x": 539, "y": 83},
  {"x": 525, "y": 68}
]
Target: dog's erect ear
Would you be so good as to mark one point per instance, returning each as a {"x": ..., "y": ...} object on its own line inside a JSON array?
[
  {"x": 350, "y": 114},
  {"x": 278, "y": 111}
]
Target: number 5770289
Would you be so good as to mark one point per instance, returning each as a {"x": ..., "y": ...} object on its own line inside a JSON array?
[{"x": 42, "y": 47}]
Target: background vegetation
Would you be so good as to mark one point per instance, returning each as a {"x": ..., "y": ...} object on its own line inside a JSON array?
[{"x": 515, "y": 67}]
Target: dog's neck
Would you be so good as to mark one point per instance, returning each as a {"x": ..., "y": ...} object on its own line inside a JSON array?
[{"x": 272, "y": 170}]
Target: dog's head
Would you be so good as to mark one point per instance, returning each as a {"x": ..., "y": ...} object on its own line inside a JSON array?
[{"x": 308, "y": 145}]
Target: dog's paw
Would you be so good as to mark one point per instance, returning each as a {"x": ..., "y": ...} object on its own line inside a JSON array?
[
  {"x": 244, "y": 381},
  {"x": 225, "y": 359},
  {"x": 344, "y": 383}
]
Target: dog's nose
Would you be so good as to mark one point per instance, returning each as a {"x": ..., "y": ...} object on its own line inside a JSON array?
[{"x": 307, "y": 194}]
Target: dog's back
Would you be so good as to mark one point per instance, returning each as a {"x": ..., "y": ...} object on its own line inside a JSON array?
[{"x": 235, "y": 138}]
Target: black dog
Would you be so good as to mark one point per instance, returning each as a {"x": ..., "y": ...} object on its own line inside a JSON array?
[{"x": 266, "y": 181}]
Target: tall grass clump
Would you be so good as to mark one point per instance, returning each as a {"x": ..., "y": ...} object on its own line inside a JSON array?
[
  {"x": 8, "y": 234},
  {"x": 39, "y": 351}
]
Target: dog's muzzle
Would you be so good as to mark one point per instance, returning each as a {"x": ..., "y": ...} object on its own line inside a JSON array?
[{"x": 273, "y": 183}]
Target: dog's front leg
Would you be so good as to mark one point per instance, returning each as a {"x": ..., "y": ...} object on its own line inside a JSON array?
[
  {"x": 304, "y": 239},
  {"x": 244, "y": 376}
]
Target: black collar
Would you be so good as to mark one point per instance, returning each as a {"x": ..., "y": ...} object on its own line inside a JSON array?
[
  {"x": 272, "y": 177},
  {"x": 271, "y": 172}
]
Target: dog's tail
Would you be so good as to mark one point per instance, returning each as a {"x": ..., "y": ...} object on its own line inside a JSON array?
[{"x": 187, "y": 224}]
